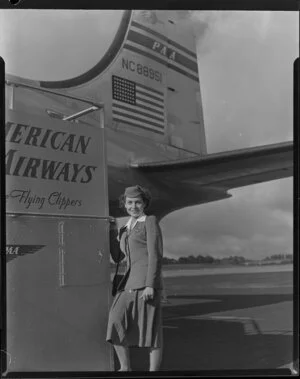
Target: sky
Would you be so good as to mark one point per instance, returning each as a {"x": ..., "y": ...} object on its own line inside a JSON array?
[{"x": 245, "y": 64}]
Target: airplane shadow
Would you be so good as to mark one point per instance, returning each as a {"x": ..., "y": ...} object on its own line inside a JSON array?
[{"x": 194, "y": 342}]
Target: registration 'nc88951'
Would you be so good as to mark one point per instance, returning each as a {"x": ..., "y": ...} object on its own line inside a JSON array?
[{"x": 142, "y": 70}]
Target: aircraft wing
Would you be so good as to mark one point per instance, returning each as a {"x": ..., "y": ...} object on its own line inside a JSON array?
[
  {"x": 203, "y": 179},
  {"x": 227, "y": 170}
]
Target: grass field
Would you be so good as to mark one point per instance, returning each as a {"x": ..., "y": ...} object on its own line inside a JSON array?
[
  {"x": 204, "y": 270},
  {"x": 196, "y": 266}
]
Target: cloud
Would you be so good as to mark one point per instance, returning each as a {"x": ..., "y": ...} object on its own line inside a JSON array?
[
  {"x": 246, "y": 224},
  {"x": 230, "y": 25},
  {"x": 246, "y": 76},
  {"x": 274, "y": 195}
]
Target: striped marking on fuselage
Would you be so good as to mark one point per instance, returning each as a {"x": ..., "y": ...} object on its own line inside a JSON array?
[
  {"x": 140, "y": 40},
  {"x": 164, "y": 38},
  {"x": 168, "y": 52}
]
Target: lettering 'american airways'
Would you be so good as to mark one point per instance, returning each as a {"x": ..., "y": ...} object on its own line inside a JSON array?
[{"x": 35, "y": 167}]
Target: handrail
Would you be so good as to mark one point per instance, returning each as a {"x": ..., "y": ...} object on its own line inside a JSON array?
[
  {"x": 79, "y": 114},
  {"x": 34, "y": 88}
]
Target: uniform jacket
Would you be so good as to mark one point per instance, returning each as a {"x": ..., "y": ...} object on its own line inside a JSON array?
[{"x": 142, "y": 247}]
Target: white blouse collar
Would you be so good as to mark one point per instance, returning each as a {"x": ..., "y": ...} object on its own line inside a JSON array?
[{"x": 142, "y": 218}]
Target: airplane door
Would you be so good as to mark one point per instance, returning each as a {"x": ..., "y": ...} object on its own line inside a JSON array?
[{"x": 57, "y": 248}]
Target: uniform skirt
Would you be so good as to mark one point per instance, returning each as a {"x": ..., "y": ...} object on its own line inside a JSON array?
[{"x": 135, "y": 322}]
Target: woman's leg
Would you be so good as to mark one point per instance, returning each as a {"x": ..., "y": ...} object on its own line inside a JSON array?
[
  {"x": 156, "y": 354},
  {"x": 123, "y": 356},
  {"x": 155, "y": 358}
]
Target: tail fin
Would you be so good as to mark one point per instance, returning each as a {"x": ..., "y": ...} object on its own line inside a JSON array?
[{"x": 148, "y": 79}]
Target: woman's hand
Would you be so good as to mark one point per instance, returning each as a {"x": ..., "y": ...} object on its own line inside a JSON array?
[{"x": 148, "y": 294}]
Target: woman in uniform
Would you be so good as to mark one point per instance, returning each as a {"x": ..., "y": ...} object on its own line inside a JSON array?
[{"x": 135, "y": 318}]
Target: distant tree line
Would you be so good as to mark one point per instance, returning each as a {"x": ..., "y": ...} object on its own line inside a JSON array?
[
  {"x": 233, "y": 260},
  {"x": 203, "y": 259},
  {"x": 236, "y": 260},
  {"x": 279, "y": 257}
]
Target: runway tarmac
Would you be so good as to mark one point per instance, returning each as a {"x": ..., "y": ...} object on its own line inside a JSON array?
[{"x": 226, "y": 322}]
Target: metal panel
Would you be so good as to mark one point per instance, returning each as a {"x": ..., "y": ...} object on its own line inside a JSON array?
[
  {"x": 84, "y": 248},
  {"x": 57, "y": 322}
]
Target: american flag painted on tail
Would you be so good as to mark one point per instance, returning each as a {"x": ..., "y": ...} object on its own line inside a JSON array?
[{"x": 138, "y": 105}]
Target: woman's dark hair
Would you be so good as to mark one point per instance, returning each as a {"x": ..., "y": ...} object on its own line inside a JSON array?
[{"x": 145, "y": 195}]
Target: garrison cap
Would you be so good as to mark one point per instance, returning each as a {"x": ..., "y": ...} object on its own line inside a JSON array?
[{"x": 134, "y": 191}]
